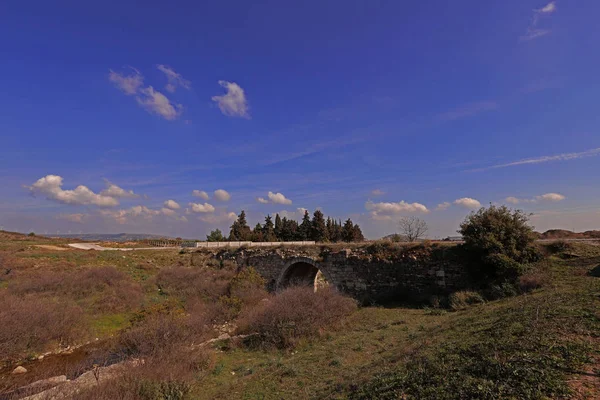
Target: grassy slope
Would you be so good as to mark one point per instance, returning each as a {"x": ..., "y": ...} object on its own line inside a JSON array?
[
  {"x": 382, "y": 352},
  {"x": 521, "y": 347}
]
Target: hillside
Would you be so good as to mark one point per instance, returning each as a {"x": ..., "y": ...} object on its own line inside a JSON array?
[
  {"x": 111, "y": 237},
  {"x": 542, "y": 344},
  {"x": 565, "y": 234}
]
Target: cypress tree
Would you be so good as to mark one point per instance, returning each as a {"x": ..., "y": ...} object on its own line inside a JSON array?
[
  {"x": 305, "y": 227},
  {"x": 278, "y": 227},
  {"x": 269, "y": 230},
  {"x": 318, "y": 231}
]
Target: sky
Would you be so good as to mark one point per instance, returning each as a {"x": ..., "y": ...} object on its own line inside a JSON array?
[{"x": 172, "y": 117}]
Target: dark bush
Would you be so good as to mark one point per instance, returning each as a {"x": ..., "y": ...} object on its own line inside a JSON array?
[
  {"x": 498, "y": 241},
  {"x": 560, "y": 246},
  {"x": 295, "y": 313},
  {"x": 461, "y": 300}
]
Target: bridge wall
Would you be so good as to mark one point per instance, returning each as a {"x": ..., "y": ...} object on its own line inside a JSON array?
[{"x": 409, "y": 273}]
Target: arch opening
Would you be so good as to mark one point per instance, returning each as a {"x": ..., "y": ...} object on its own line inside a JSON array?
[{"x": 303, "y": 274}]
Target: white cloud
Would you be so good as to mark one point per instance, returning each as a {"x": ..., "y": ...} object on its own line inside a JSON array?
[
  {"x": 51, "y": 187},
  {"x": 157, "y": 103},
  {"x": 151, "y": 100},
  {"x": 168, "y": 212},
  {"x": 234, "y": 103},
  {"x": 215, "y": 219},
  {"x": 377, "y": 192},
  {"x": 467, "y": 202},
  {"x": 222, "y": 195},
  {"x": 551, "y": 197},
  {"x": 275, "y": 198},
  {"x": 129, "y": 84},
  {"x": 175, "y": 80},
  {"x": 544, "y": 159},
  {"x": 278, "y": 198},
  {"x": 200, "y": 193},
  {"x": 172, "y": 204},
  {"x": 73, "y": 217},
  {"x": 387, "y": 211},
  {"x": 202, "y": 208},
  {"x": 443, "y": 206},
  {"x": 533, "y": 31},
  {"x": 548, "y": 9},
  {"x": 123, "y": 216},
  {"x": 544, "y": 197},
  {"x": 469, "y": 110},
  {"x": 295, "y": 215},
  {"x": 512, "y": 200},
  {"x": 117, "y": 192}
]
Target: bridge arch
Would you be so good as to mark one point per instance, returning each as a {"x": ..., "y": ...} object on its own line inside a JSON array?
[{"x": 301, "y": 271}]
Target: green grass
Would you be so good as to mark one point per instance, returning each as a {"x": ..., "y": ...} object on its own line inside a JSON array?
[
  {"x": 109, "y": 324},
  {"x": 524, "y": 347}
]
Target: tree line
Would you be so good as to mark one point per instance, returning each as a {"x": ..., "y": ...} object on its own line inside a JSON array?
[{"x": 283, "y": 229}]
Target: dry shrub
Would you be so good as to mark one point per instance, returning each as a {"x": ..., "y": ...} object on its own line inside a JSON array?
[
  {"x": 532, "y": 281},
  {"x": 106, "y": 288},
  {"x": 186, "y": 282},
  {"x": 162, "y": 333},
  {"x": 295, "y": 313},
  {"x": 246, "y": 290},
  {"x": 29, "y": 325},
  {"x": 461, "y": 300},
  {"x": 169, "y": 377}
]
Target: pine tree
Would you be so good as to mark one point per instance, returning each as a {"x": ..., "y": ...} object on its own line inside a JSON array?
[
  {"x": 278, "y": 227},
  {"x": 329, "y": 228},
  {"x": 305, "y": 227},
  {"x": 357, "y": 235},
  {"x": 257, "y": 233},
  {"x": 269, "y": 230},
  {"x": 215, "y": 236},
  {"x": 318, "y": 231},
  {"x": 348, "y": 231},
  {"x": 240, "y": 229}
]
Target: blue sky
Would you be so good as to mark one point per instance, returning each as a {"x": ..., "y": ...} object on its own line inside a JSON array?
[{"x": 366, "y": 109}]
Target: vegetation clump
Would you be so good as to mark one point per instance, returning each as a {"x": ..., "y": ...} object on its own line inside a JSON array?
[
  {"x": 498, "y": 243},
  {"x": 295, "y": 313}
]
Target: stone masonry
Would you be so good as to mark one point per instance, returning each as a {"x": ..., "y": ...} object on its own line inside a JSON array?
[{"x": 367, "y": 272}]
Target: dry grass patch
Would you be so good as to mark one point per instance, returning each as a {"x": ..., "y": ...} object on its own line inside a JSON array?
[
  {"x": 293, "y": 314},
  {"x": 31, "y": 325}
]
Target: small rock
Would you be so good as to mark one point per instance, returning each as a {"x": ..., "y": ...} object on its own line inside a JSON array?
[
  {"x": 19, "y": 370},
  {"x": 40, "y": 357}
]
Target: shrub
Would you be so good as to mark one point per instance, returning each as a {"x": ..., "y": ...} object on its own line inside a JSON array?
[
  {"x": 31, "y": 325},
  {"x": 461, "y": 300},
  {"x": 248, "y": 287},
  {"x": 159, "y": 334},
  {"x": 295, "y": 313},
  {"x": 497, "y": 241},
  {"x": 532, "y": 281},
  {"x": 106, "y": 288},
  {"x": 169, "y": 377},
  {"x": 186, "y": 282},
  {"x": 501, "y": 291},
  {"x": 560, "y": 246}
]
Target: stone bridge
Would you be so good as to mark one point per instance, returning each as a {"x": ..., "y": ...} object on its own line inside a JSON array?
[{"x": 368, "y": 272}]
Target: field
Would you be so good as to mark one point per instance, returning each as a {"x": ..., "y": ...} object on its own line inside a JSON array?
[{"x": 155, "y": 306}]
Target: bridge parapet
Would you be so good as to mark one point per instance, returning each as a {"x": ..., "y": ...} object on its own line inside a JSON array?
[{"x": 362, "y": 272}]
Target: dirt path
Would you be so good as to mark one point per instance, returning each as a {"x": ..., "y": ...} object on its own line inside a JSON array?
[
  {"x": 51, "y": 247},
  {"x": 94, "y": 246}
]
